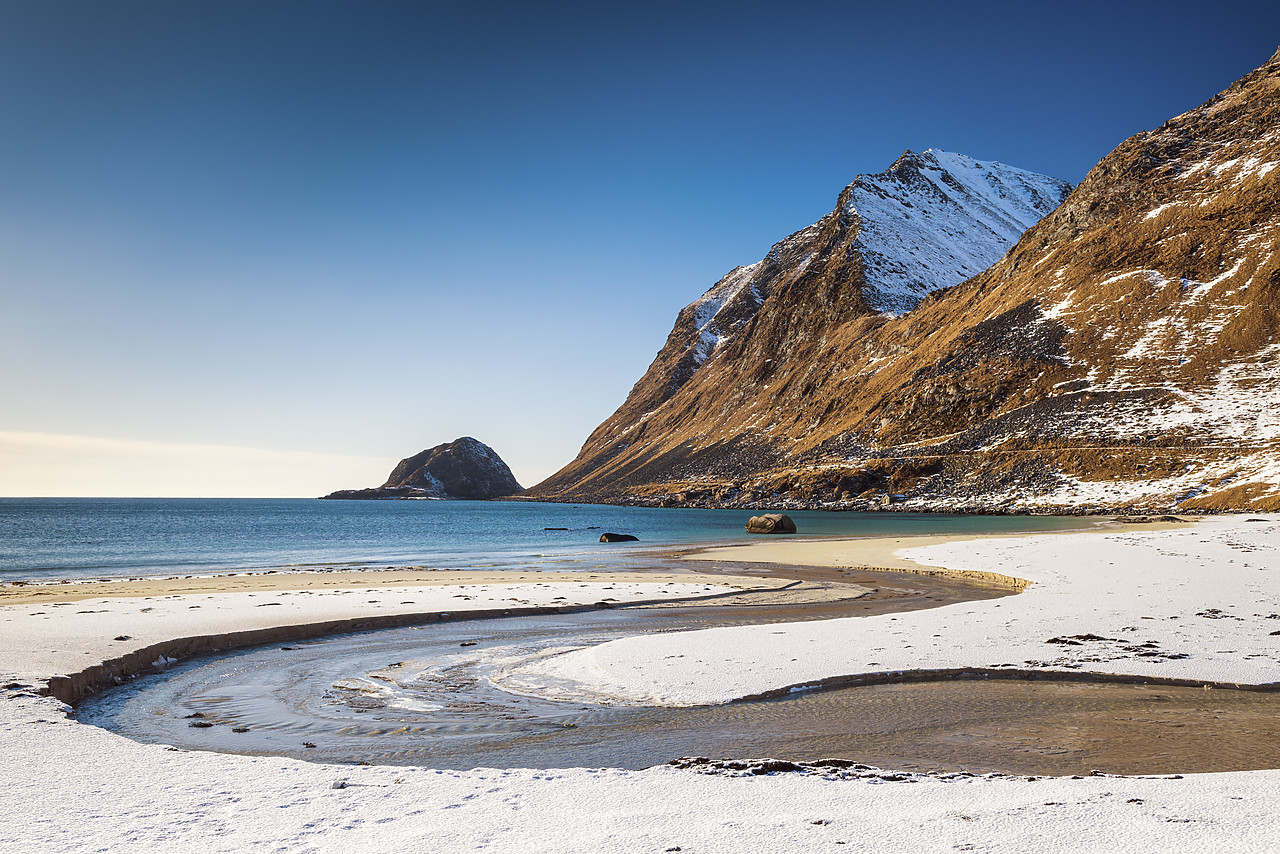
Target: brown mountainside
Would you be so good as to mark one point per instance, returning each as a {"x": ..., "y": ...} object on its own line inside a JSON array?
[{"x": 1122, "y": 354}]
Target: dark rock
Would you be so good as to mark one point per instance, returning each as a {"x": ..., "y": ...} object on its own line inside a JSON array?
[
  {"x": 771, "y": 523},
  {"x": 464, "y": 469},
  {"x": 618, "y": 538}
]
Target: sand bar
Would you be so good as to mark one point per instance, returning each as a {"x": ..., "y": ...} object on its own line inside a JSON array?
[
  {"x": 73, "y": 591},
  {"x": 887, "y": 552}
]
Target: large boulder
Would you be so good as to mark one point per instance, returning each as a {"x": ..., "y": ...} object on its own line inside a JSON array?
[
  {"x": 462, "y": 469},
  {"x": 771, "y": 523},
  {"x": 618, "y": 538}
]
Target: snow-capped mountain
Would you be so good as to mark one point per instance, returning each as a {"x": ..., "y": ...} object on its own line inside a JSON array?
[
  {"x": 929, "y": 221},
  {"x": 1124, "y": 352},
  {"x": 934, "y": 219}
]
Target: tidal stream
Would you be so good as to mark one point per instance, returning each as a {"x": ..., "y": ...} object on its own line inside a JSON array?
[{"x": 422, "y": 696}]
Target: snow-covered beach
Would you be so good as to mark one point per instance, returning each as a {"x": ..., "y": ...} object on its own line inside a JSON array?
[{"x": 1194, "y": 603}]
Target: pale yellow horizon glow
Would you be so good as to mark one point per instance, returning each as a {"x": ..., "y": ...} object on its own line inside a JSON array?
[{"x": 39, "y": 465}]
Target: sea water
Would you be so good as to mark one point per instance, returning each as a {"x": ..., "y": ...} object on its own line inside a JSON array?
[{"x": 59, "y": 538}]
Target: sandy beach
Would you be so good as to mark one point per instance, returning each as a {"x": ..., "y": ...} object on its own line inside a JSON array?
[
  {"x": 270, "y": 582},
  {"x": 1200, "y": 596},
  {"x": 891, "y": 552}
]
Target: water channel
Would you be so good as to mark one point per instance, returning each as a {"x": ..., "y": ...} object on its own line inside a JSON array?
[{"x": 423, "y": 696}]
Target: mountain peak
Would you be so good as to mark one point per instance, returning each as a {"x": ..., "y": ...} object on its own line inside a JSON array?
[
  {"x": 930, "y": 221},
  {"x": 1125, "y": 352},
  {"x": 935, "y": 218}
]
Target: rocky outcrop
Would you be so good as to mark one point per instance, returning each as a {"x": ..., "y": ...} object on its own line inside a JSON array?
[
  {"x": 1124, "y": 353},
  {"x": 463, "y": 469}
]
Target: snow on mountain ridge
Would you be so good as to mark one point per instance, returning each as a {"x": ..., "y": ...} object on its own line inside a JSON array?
[
  {"x": 929, "y": 221},
  {"x": 1123, "y": 353},
  {"x": 729, "y": 303},
  {"x": 933, "y": 219}
]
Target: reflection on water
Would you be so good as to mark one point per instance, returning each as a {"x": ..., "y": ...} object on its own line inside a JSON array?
[{"x": 422, "y": 696}]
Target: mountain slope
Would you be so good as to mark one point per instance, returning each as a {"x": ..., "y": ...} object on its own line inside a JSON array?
[
  {"x": 1123, "y": 353},
  {"x": 952, "y": 215}
]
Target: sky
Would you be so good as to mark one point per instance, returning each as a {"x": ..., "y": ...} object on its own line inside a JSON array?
[{"x": 271, "y": 248}]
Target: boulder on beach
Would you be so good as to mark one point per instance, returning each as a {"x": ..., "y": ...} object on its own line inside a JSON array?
[
  {"x": 618, "y": 538},
  {"x": 771, "y": 523}
]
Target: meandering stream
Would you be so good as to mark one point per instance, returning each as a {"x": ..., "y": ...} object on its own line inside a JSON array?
[{"x": 422, "y": 696}]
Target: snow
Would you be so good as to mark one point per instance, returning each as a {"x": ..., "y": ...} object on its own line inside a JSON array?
[
  {"x": 707, "y": 309},
  {"x": 1096, "y": 583},
  {"x": 1237, "y": 404},
  {"x": 933, "y": 223},
  {"x": 946, "y": 218},
  {"x": 63, "y": 638},
  {"x": 104, "y": 793},
  {"x": 71, "y": 787},
  {"x": 1157, "y": 211}
]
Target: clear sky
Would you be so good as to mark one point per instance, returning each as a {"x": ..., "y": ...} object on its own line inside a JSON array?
[{"x": 270, "y": 248}]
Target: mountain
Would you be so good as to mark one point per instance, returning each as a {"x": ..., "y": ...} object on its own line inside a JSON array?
[
  {"x": 930, "y": 220},
  {"x": 1123, "y": 353},
  {"x": 462, "y": 469}
]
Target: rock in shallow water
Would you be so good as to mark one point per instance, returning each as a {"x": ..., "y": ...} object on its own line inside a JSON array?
[{"x": 771, "y": 523}]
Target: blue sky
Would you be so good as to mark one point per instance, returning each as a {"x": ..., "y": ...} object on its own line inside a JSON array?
[{"x": 330, "y": 234}]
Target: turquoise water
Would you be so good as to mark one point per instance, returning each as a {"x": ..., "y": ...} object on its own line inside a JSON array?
[{"x": 47, "y": 538}]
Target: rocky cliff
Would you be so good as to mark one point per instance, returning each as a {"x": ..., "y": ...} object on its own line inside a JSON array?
[
  {"x": 462, "y": 469},
  {"x": 1123, "y": 353}
]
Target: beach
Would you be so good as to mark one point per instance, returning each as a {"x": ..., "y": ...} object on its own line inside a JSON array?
[{"x": 1199, "y": 597}]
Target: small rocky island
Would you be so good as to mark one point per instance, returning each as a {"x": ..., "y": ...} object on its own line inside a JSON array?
[{"x": 465, "y": 469}]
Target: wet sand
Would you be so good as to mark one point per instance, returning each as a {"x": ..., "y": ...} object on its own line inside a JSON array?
[
  {"x": 789, "y": 558},
  {"x": 19, "y": 593},
  {"x": 883, "y": 552}
]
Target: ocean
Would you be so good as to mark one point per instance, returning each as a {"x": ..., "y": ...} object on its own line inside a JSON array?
[{"x": 62, "y": 538}]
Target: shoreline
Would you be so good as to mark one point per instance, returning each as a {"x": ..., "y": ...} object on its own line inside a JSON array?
[
  {"x": 783, "y": 560},
  {"x": 529, "y": 555},
  {"x": 1165, "y": 615},
  {"x": 884, "y": 553},
  {"x": 876, "y": 548},
  {"x": 67, "y": 775}
]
